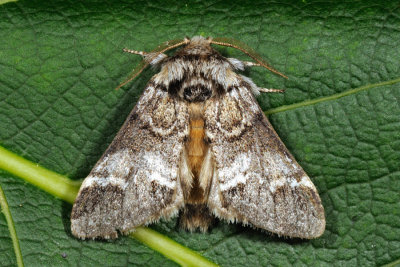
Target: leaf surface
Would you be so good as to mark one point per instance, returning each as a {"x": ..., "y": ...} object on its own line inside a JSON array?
[{"x": 59, "y": 64}]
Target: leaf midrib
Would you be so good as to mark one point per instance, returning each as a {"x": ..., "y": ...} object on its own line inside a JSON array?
[{"x": 329, "y": 98}]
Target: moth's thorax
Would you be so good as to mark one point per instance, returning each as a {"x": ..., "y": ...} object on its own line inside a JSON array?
[{"x": 196, "y": 73}]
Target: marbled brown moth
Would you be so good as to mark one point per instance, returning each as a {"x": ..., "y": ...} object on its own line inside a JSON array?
[{"x": 197, "y": 144}]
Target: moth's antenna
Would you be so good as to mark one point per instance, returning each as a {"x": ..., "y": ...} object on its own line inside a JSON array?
[
  {"x": 247, "y": 50},
  {"x": 168, "y": 45},
  {"x": 136, "y": 71}
]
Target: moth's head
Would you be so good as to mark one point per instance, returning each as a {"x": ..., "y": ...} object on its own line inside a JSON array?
[{"x": 197, "y": 45}]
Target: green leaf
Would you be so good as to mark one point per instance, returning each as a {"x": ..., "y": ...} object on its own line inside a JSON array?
[
  {"x": 59, "y": 63},
  {"x": 8, "y": 217}
]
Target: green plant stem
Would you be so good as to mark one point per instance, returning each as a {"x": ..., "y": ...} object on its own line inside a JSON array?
[
  {"x": 11, "y": 228},
  {"x": 2, "y": 2},
  {"x": 66, "y": 189},
  {"x": 51, "y": 182},
  {"x": 171, "y": 249},
  {"x": 395, "y": 263}
]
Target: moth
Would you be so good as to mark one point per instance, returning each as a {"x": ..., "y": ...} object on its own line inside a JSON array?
[{"x": 197, "y": 144}]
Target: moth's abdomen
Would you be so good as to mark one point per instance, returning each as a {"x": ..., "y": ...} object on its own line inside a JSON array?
[{"x": 196, "y": 146}]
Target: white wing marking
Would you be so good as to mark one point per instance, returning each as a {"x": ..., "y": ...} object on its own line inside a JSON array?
[{"x": 237, "y": 172}]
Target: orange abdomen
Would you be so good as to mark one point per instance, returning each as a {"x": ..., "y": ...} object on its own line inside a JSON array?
[{"x": 196, "y": 149}]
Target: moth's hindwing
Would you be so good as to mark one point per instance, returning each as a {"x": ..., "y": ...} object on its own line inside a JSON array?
[
  {"x": 256, "y": 180},
  {"x": 136, "y": 180}
]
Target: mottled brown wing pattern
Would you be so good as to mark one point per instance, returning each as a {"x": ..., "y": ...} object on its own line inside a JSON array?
[
  {"x": 256, "y": 180},
  {"x": 136, "y": 180},
  {"x": 197, "y": 140}
]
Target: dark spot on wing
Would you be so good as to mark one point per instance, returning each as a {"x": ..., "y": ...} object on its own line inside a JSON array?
[{"x": 95, "y": 196}]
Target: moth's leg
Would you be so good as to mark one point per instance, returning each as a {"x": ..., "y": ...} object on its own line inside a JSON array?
[
  {"x": 251, "y": 64},
  {"x": 270, "y": 90},
  {"x": 263, "y": 90},
  {"x": 240, "y": 65},
  {"x": 152, "y": 58},
  {"x": 142, "y": 53},
  {"x": 256, "y": 90}
]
